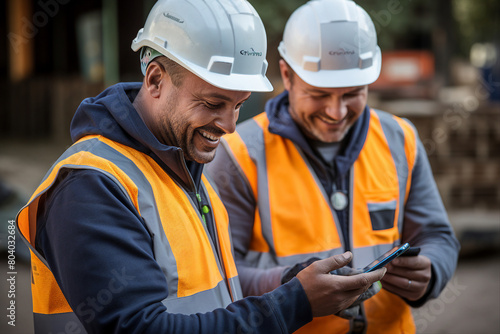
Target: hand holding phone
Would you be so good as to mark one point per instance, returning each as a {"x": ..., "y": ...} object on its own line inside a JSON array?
[
  {"x": 410, "y": 277},
  {"x": 387, "y": 257}
]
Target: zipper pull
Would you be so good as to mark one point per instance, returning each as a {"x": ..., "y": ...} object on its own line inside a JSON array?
[{"x": 203, "y": 209}]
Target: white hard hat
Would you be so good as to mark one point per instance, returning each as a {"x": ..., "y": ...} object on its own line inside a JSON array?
[
  {"x": 332, "y": 43},
  {"x": 221, "y": 41}
]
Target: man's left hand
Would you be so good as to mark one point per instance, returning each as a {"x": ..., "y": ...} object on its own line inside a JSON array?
[{"x": 408, "y": 277}]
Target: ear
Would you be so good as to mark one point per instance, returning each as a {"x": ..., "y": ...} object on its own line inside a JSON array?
[
  {"x": 285, "y": 74},
  {"x": 155, "y": 77}
]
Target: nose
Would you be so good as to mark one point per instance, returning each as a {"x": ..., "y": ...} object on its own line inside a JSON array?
[
  {"x": 336, "y": 108},
  {"x": 227, "y": 120}
]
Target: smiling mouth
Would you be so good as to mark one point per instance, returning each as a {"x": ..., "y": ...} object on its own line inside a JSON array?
[
  {"x": 209, "y": 136},
  {"x": 332, "y": 121}
]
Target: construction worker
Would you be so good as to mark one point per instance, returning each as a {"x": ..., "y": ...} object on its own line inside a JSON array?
[
  {"x": 320, "y": 172},
  {"x": 126, "y": 234}
]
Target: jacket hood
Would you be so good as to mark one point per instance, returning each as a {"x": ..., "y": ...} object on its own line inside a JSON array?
[
  {"x": 281, "y": 123},
  {"x": 112, "y": 115}
]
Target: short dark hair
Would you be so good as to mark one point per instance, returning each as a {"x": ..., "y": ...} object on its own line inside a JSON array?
[{"x": 174, "y": 70}]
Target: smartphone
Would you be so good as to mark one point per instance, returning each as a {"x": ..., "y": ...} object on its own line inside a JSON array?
[
  {"x": 386, "y": 258},
  {"x": 412, "y": 251}
]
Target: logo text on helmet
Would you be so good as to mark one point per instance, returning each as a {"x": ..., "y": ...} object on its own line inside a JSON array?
[
  {"x": 250, "y": 52},
  {"x": 170, "y": 16},
  {"x": 341, "y": 52}
]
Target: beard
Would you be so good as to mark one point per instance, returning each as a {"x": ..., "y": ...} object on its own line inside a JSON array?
[{"x": 179, "y": 133}]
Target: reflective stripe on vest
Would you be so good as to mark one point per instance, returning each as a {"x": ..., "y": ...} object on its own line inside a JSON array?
[
  {"x": 197, "y": 280},
  {"x": 294, "y": 219},
  {"x": 263, "y": 158}
]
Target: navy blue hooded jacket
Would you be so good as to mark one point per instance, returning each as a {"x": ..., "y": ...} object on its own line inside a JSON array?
[{"x": 87, "y": 228}]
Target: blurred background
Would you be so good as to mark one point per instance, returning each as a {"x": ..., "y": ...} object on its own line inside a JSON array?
[{"x": 441, "y": 70}]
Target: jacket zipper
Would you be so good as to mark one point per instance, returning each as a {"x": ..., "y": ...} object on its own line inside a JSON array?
[{"x": 204, "y": 209}]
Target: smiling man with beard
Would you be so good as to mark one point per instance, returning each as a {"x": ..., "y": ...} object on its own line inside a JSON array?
[{"x": 127, "y": 235}]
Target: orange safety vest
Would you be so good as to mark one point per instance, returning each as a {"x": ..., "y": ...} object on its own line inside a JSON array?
[
  {"x": 201, "y": 274},
  {"x": 294, "y": 218}
]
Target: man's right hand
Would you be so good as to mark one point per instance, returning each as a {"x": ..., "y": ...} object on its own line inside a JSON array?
[{"x": 330, "y": 294}]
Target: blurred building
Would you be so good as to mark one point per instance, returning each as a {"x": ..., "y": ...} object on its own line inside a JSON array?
[{"x": 58, "y": 52}]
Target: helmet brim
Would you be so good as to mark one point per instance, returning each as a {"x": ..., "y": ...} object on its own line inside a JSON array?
[
  {"x": 340, "y": 78},
  {"x": 234, "y": 82}
]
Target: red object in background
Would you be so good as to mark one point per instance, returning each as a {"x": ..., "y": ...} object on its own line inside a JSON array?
[{"x": 404, "y": 68}]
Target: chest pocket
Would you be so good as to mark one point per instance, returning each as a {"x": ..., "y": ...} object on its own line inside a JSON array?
[{"x": 382, "y": 214}]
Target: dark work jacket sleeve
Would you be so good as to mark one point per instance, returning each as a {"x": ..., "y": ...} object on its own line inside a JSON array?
[
  {"x": 100, "y": 253},
  {"x": 426, "y": 225}
]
